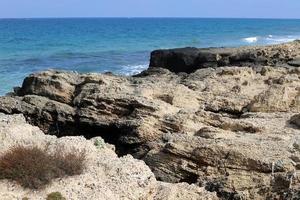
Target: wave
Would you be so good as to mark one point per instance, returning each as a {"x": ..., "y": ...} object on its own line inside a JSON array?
[
  {"x": 281, "y": 39},
  {"x": 251, "y": 39},
  {"x": 132, "y": 69},
  {"x": 271, "y": 39}
]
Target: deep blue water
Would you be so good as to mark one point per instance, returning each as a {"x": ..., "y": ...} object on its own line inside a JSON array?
[{"x": 119, "y": 45}]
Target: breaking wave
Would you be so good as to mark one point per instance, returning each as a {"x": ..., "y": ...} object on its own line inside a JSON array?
[
  {"x": 251, "y": 39},
  {"x": 281, "y": 39},
  {"x": 132, "y": 69},
  {"x": 270, "y": 39}
]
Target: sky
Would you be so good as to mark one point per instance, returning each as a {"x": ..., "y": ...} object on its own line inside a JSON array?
[{"x": 150, "y": 8}]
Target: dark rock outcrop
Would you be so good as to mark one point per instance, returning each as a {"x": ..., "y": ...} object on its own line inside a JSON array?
[{"x": 190, "y": 59}]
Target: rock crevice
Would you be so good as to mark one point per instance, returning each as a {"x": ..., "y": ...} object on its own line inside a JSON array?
[{"x": 230, "y": 129}]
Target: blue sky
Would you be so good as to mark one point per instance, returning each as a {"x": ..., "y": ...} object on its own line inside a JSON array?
[{"x": 150, "y": 8}]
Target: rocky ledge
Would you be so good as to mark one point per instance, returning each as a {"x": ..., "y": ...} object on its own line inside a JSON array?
[
  {"x": 190, "y": 59},
  {"x": 106, "y": 176},
  {"x": 232, "y": 130}
]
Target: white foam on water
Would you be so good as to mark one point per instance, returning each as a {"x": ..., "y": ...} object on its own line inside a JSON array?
[
  {"x": 281, "y": 39},
  {"x": 271, "y": 39},
  {"x": 251, "y": 39},
  {"x": 133, "y": 69}
]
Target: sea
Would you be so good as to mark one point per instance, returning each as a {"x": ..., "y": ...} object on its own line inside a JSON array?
[{"x": 120, "y": 45}]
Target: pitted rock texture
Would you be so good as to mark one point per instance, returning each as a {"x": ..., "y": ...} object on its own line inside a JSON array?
[
  {"x": 190, "y": 59},
  {"x": 105, "y": 176},
  {"x": 227, "y": 129},
  {"x": 232, "y": 130}
]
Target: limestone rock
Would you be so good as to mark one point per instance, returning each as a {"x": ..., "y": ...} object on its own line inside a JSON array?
[
  {"x": 227, "y": 129},
  {"x": 105, "y": 177}
]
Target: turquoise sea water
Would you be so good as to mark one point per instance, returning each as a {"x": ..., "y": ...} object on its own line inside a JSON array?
[{"x": 119, "y": 45}]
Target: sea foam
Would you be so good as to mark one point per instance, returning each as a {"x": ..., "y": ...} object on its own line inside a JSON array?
[
  {"x": 251, "y": 39},
  {"x": 270, "y": 39},
  {"x": 133, "y": 69},
  {"x": 281, "y": 39}
]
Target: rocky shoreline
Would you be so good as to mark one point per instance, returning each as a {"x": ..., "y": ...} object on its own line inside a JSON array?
[
  {"x": 222, "y": 119},
  {"x": 190, "y": 59}
]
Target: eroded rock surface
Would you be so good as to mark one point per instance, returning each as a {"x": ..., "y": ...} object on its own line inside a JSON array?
[
  {"x": 105, "y": 177},
  {"x": 233, "y": 130},
  {"x": 190, "y": 59}
]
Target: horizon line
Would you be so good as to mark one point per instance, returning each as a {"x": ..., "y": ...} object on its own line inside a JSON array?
[{"x": 107, "y": 17}]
